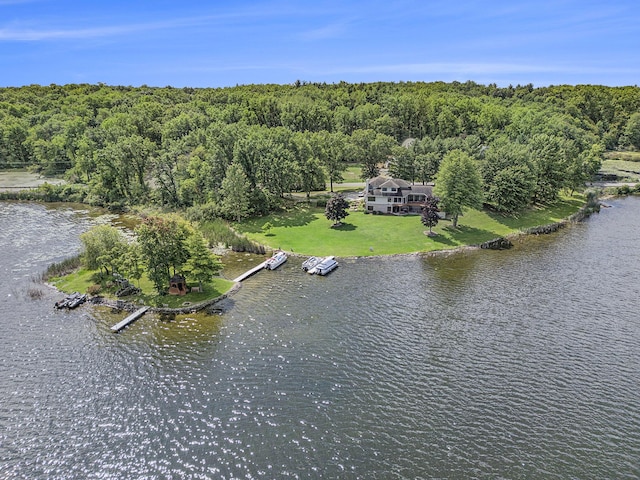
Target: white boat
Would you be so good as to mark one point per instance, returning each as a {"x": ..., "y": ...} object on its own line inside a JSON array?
[
  {"x": 275, "y": 261},
  {"x": 323, "y": 261},
  {"x": 326, "y": 266},
  {"x": 310, "y": 262}
]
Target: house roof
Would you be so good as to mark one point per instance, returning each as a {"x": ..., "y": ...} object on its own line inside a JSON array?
[
  {"x": 393, "y": 183},
  {"x": 376, "y": 185},
  {"x": 426, "y": 189}
]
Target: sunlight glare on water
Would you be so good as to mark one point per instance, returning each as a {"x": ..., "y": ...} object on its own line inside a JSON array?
[{"x": 512, "y": 364}]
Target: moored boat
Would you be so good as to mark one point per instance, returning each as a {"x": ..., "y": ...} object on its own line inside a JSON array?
[
  {"x": 310, "y": 262},
  {"x": 323, "y": 261},
  {"x": 326, "y": 266},
  {"x": 275, "y": 261},
  {"x": 71, "y": 301}
]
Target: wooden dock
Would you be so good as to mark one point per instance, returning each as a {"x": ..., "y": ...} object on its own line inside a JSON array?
[
  {"x": 130, "y": 319},
  {"x": 248, "y": 273}
]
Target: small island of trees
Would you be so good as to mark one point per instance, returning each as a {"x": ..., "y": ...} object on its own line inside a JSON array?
[{"x": 163, "y": 246}]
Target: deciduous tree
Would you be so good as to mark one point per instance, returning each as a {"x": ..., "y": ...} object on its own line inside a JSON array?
[
  {"x": 458, "y": 184},
  {"x": 235, "y": 193},
  {"x": 103, "y": 247},
  {"x": 163, "y": 248},
  {"x": 429, "y": 217},
  {"x": 336, "y": 209}
]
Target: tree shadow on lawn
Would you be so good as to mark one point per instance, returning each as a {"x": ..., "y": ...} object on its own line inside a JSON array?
[
  {"x": 293, "y": 218},
  {"x": 344, "y": 227},
  {"x": 464, "y": 235},
  {"x": 537, "y": 214},
  {"x": 297, "y": 218},
  {"x": 442, "y": 239}
]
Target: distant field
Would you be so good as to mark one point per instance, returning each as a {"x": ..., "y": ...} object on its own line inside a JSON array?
[
  {"x": 627, "y": 156},
  {"x": 13, "y": 179},
  {"x": 352, "y": 174},
  {"x": 625, "y": 170}
]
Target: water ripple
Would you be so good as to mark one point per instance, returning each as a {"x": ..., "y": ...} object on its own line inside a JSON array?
[{"x": 520, "y": 364}]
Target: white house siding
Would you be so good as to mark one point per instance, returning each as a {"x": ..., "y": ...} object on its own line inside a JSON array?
[
  {"x": 382, "y": 192},
  {"x": 380, "y": 204}
]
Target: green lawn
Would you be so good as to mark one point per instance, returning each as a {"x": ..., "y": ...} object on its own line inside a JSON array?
[
  {"x": 81, "y": 280},
  {"x": 305, "y": 230},
  {"x": 352, "y": 174},
  {"x": 624, "y": 169},
  {"x": 627, "y": 156}
]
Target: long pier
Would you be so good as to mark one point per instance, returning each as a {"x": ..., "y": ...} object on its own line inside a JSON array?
[
  {"x": 248, "y": 273},
  {"x": 130, "y": 319}
]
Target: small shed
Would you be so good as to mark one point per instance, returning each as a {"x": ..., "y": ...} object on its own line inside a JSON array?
[{"x": 178, "y": 285}]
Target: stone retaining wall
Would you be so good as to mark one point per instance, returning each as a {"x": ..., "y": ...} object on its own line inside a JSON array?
[{"x": 503, "y": 243}]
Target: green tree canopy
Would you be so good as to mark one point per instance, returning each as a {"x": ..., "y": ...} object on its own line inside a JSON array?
[
  {"x": 235, "y": 192},
  {"x": 201, "y": 264},
  {"x": 163, "y": 248},
  {"x": 103, "y": 247},
  {"x": 458, "y": 184},
  {"x": 336, "y": 209}
]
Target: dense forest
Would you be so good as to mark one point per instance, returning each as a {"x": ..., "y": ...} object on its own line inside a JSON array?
[{"x": 234, "y": 152}]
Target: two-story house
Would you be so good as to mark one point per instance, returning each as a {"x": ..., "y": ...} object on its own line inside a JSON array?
[{"x": 394, "y": 196}]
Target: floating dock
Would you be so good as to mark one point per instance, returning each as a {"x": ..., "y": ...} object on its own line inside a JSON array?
[
  {"x": 130, "y": 319},
  {"x": 248, "y": 273}
]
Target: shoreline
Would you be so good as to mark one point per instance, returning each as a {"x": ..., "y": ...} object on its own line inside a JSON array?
[
  {"x": 499, "y": 243},
  {"x": 132, "y": 307}
]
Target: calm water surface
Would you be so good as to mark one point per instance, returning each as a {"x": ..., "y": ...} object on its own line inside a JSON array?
[{"x": 516, "y": 364}]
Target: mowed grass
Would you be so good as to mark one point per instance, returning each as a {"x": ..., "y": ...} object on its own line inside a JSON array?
[
  {"x": 305, "y": 230},
  {"x": 624, "y": 169},
  {"x": 627, "y": 156},
  {"x": 82, "y": 279}
]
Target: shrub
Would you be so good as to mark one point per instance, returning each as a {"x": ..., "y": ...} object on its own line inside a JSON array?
[
  {"x": 623, "y": 190},
  {"x": 218, "y": 232},
  {"x": 35, "y": 293},
  {"x": 202, "y": 213},
  {"x": 62, "y": 268}
]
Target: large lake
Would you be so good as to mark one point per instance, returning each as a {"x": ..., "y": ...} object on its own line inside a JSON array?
[{"x": 515, "y": 364}]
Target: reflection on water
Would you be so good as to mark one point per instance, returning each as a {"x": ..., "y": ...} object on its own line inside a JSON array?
[{"x": 515, "y": 364}]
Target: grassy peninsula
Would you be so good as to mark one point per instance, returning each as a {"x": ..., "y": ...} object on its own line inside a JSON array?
[{"x": 304, "y": 230}]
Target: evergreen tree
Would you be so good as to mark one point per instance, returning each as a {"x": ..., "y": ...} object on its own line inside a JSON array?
[{"x": 201, "y": 264}]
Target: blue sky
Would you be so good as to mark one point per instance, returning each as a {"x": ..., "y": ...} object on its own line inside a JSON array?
[{"x": 224, "y": 43}]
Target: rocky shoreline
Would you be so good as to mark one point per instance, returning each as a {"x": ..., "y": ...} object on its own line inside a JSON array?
[{"x": 191, "y": 308}]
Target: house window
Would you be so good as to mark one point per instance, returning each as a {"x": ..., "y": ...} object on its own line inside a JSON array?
[
  {"x": 371, "y": 199},
  {"x": 397, "y": 200},
  {"x": 370, "y": 208},
  {"x": 388, "y": 199},
  {"x": 388, "y": 209},
  {"x": 384, "y": 189}
]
